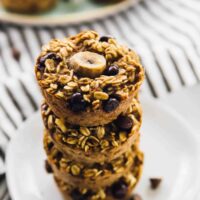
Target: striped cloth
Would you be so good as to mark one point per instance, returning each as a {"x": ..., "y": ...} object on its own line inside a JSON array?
[{"x": 166, "y": 34}]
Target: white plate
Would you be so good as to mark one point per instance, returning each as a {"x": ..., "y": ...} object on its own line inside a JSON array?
[
  {"x": 67, "y": 12},
  {"x": 171, "y": 152}
]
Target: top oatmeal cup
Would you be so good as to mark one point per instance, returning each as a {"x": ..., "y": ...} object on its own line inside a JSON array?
[{"x": 88, "y": 80}]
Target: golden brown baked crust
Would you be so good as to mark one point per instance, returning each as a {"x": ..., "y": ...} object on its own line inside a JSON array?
[
  {"x": 100, "y": 99},
  {"x": 28, "y": 6},
  {"x": 98, "y": 156},
  {"x": 131, "y": 179},
  {"x": 94, "y": 143},
  {"x": 92, "y": 118},
  {"x": 92, "y": 176},
  {"x": 66, "y": 195}
]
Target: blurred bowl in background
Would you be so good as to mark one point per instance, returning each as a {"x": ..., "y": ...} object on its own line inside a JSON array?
[
  {"x": 66, "y": 12},
  {"x": 28, "y": 6}
]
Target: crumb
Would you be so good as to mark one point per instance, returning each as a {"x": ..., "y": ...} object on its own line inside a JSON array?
[
  {"x": 155, "y": 182},
  {"x": 16, "y": 54}
]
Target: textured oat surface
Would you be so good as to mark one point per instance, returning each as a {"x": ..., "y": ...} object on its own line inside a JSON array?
[
  {"x": 59, "y": 81},
  {"x": 92, "y": 139},
  {"x": 93, "y": 175},
  {"x": 131, "y": 179}
]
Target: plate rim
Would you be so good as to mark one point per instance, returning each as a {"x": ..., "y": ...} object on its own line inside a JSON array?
[
  {"x": 8, "y": 152},
  {"x": 68, "y": 19},
  {"x": 151, "y": 101}
]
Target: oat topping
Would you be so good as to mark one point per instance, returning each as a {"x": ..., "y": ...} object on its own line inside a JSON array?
[
  {"x": 90, "y": 171},
  {"x": 94, "y": 67},
  {"x": 118, "y": 190},
  {"x": 95, "y": 139}
]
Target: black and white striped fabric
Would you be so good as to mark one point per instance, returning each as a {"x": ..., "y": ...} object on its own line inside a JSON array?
[{"x": 166, "y": 34}]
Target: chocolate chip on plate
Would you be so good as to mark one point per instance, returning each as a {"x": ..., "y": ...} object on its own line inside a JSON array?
[
  {"x": 124, "y": 122},
  {"x": 110, "y": 105},
  {"x": 119, "y": 189},
  {"x": 41, "y": 61},
  {"x": 155, "y": 182},
  {"x": 48, "y": 167},
  {"x": 77, "y": 103},
  {"x": 135, "y": 197},
  {"x": 16, "y": 54},
  {"x": 112, "y": 70},
  {"x": 105, "y": 38}
]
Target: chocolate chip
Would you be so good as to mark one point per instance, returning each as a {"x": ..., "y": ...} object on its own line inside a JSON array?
[
  {"x": 136, "y": 197},
  {"x": 76, "y": 195},
  {"x": 48, "y": 167},
  {"x": 77, "y": 97},
  {"x": 41, "y": 61},
  {"x": 124, "y": 122},
  {"x": 58, "y": 156},
  {"x": 112, "y": 70},
  {"x": 44, "y": 107},
  {"x": 110, "y": 105},
  {"x": 155, "y": 182},
  {"x": 50, "y": 145},
  {"x": 116, "y": 96},
  {"x": 77, "y": 103},
  {"x": 16, "y": 54},
  {"x": 138, "y": 161},
  {"x": 105, "y": 38},
  {"x": 119, "y": 189}
]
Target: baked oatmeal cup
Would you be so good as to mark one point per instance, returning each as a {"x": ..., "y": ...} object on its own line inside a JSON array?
[
  {"x": 91, "y": 176},
  {"x": 100, "y": 143},
  {"x": 88, "y": 80},
  {"x": 120, "y": 189}
]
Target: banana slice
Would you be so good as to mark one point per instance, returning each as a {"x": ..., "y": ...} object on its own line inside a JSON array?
[{"x": 88, "y": 64}]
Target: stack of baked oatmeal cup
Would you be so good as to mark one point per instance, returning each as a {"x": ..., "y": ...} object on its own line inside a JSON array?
[{"x": 92, "y": 116}]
